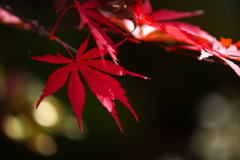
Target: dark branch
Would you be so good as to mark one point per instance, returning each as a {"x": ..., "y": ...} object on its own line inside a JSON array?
[{"x": 35, "y": 26}]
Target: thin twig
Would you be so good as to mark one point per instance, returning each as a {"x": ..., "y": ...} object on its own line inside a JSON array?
[
  {"x": 36, "y": 27},
  {"x": 62, "y": 27},
  {"x": 191, "y": 55}
]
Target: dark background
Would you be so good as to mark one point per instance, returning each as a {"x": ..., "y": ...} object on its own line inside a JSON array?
[{"x": 167, "y": 105}]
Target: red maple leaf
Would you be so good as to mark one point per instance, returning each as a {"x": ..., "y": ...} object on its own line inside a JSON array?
[
  {"x": 89, "y": 15},
  {"x": 93, "y": 19},
  {"x": 105, "y": 88}
]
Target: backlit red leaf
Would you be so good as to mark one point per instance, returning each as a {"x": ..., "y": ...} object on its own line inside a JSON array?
[
  {"x": 105, "y": 87},
  {"x": 76, "y": 94},
  {"x": 235, "y": 67},
  {"x": 114, "y": 87},
  {"x": 112, "y": 68},
  {"x": 184, "y": 36},
  {"x": 194, "y": 30},
  {"x": 59, "y": 59},
  {"x": 102, "y": 92},
  {"x": 102, "y": 40},
  {"x": 55, "y": 81},
  {"x": 91, "y": 54},
  {"x": 163, "y": 14},
  {"x": 82, "y": 48}
]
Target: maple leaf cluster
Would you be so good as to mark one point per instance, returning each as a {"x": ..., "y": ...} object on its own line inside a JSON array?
[{"x": 136, "y": 21}]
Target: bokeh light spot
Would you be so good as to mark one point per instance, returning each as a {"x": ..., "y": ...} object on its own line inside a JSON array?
[
  {"x": 16, "y": 128},
  {"x": 46, "y": 114},
  {"x": 45, "y": 145}
]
